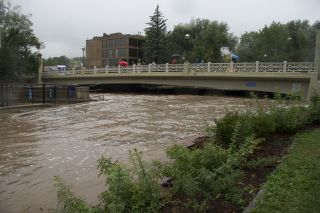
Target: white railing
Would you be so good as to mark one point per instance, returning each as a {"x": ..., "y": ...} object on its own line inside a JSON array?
[{"x": 301, "y": 67}]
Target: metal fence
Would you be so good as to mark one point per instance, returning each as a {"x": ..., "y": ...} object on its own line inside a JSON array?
[{"x": 28, "y": 94}]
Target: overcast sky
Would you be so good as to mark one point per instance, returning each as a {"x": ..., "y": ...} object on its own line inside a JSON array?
[{"x": 64, "y": 25}]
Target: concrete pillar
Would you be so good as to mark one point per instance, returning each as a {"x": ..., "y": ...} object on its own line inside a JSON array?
[
  {"x": 257, "y": 66},
  {"x": 209, "y": 66},
  {"x": 231, "y": 66},
  {"x": 314, "y": 86},
  {"x": 317, "y": 54},
  {"x": 285, "y": 66},
  {"x": 40, "y": 71},
  {"x": 133, "y": 68},
  {"x": 167, "y": 67},
  {"x": 186, "y": 67},
  {"x": 119, "y": 68}
]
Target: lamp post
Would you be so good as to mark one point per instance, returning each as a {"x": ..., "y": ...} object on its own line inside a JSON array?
[
  {"x": 187, "y": 37},
  {"x": 83, "y": 49}
]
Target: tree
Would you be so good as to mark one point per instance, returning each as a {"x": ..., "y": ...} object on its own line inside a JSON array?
[
  {"x": 155, "y": 48},
  {"x": 17, "y": 59},
  {"x": 293, "y": 41},
  {"x": 61, "y": 60},
  {"x": 207, "y": 38}
]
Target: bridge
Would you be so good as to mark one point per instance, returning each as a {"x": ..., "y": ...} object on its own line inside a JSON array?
[{"x": 285, "y": 77}]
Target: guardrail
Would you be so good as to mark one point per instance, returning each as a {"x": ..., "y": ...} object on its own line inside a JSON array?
[{"x": 301, "y": 67}]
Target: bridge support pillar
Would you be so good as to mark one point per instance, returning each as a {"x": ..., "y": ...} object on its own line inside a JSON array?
[
  {"x": 317, "y": 53},
  {"x": 314, "y": 86}
]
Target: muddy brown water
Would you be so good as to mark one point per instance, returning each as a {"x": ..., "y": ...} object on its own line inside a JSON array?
[{"x": 68, "y": 140}]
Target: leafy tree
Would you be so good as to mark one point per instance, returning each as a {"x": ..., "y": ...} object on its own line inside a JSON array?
[
  {"x": 61, "y": 60},
  {"x": 155, "y": 48},
  {"x": 17, "y": 59},
  {"x": 293, "y": 41},
  {"x": 207, "y": 38}
]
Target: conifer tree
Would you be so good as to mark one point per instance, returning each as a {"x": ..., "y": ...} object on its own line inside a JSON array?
[{"x": 155, "y": 49}]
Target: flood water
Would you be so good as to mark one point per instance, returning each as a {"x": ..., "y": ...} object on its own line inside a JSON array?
[{"x": 68, "y": 140}]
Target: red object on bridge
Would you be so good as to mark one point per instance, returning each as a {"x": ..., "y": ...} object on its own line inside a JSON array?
[{"x": 123, "y": 63}]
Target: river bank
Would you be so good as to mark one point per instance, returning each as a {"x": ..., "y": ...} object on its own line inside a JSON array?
[{"x": 223, "y": 175}]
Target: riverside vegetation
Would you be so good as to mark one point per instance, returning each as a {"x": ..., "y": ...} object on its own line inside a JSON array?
[{"x": 202, "y": 177}]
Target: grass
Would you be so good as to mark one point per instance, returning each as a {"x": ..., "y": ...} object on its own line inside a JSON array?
[{"x": 295, "y": 185}]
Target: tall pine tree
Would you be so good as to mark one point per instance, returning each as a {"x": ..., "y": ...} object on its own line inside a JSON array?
[{"x": 155, "y": 49}]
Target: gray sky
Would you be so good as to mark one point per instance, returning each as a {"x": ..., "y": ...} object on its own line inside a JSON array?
[{"x": 64, "y": 25}]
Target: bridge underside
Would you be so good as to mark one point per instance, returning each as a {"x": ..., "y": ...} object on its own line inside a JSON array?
[{"x": 264, "y": 82}]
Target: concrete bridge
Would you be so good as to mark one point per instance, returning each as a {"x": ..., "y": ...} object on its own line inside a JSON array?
[{"x": 284, "y": 77}]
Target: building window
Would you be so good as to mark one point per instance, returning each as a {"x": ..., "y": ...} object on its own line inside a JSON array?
[
  {"x": 133, "y": 52},
  {"x": 133, "y": 42}
]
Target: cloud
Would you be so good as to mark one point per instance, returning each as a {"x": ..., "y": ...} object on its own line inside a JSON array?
[{"x": 64, "y": 25}]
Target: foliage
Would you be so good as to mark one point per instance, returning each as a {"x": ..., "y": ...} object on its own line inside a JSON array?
[
  {"x": 293, "y": 41},
  {"x": 68, "y": 202},
  {"x": 130, "y": 192},
  {"x": 155, "y": 45},
  {"x": 283, "y": 115},
  {"x": 261, "y": 162},
  {"x": 294, "y": 186},
  {"x": 17, "y": 59},
  {"x": 315, "y": 108},
  {"x": 135, "y": 190},
  {"x": 63, "y": 60},
  {"x": 204, "y": 175},
  {"x": 207, "y": 38}
]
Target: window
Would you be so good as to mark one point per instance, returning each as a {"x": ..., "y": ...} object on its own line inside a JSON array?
[
  {"x": 133, "y": 42},
  {"x": 133, "y": 52}
]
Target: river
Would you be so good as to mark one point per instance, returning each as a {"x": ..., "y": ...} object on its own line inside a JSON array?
[{"x": 68, "y": 140}]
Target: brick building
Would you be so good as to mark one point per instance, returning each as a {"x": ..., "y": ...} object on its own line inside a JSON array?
[{"x": 110, "y": 49}]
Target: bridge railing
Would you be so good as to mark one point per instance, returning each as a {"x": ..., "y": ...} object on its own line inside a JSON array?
[{"x": 302, "y": 67}]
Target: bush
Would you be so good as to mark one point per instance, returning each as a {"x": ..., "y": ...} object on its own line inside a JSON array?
[
  {"x": 204, "y": 175},
  {"x": 68, "y": 202},
  {"x": 290, "y": 119},
  {"x": 224, "y": 128},
  {"x": 315, "y": 109},
  {"x": 135, "y": 190}
]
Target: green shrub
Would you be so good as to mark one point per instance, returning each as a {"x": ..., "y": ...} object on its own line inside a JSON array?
[
  {"x": 224, "y": 128},
  {"x": 203, "y": 175},
  {"x": 128, "y": 190},
  {"x": 290, "y": 119},
  {"x": 68, "y": 202},
  {"x": 315, "y": 108},
  {"x": 263, "y": 123},
  {"x": 136, "y": 191}
]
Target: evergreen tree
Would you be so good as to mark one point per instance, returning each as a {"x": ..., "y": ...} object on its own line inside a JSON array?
[{"x": 155, "y": 48}]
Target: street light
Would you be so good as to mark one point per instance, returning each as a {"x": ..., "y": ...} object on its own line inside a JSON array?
[
  {"x": 83, "y": 49},
  {"x": 187, "y": 37}
]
